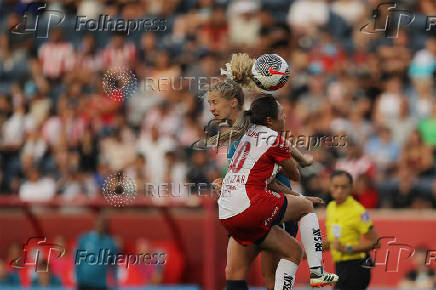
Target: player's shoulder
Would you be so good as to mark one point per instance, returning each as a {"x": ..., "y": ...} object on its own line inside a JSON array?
[
  {"x": 260, "y": 135},
  {"x": 360, "y": 211},
  {"x": 357, "y": 206},
  {"x": 261, "y": 131},
  {"x": 232, "y": 149}
]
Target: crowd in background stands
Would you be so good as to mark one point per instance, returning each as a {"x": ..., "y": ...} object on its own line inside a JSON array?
[{"x": 61, "y": 136}]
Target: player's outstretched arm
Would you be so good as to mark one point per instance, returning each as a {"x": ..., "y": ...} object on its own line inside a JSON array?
[
  {"x": 304, "y": 160},
  {"x": 277, "y": 186},
  {"x": 290, "y": 169}
]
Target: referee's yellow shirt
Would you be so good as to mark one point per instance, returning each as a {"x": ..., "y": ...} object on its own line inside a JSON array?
[{"x": 347, "y": 222}]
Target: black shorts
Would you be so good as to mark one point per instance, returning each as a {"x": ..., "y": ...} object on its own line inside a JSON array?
[
  {"x": 352, "y": 276},
  {"x": 291, "y": 227}
]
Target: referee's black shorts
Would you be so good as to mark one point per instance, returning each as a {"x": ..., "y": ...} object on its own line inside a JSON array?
[{"x": 352, "y": 276}]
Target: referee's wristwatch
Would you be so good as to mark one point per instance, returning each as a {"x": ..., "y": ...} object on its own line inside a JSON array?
[{"x": 349, "y": 249}]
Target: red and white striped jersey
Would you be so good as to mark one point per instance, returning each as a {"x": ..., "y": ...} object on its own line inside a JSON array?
[
  {"x": 252, "y": 167},
  {"x": 121, "y": 57},
  {"x": 56, "y": 58}
]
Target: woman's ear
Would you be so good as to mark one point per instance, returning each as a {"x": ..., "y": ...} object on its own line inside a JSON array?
[
  {"x": 269, "y": 122},
  {"x": 234, "y": 103}
]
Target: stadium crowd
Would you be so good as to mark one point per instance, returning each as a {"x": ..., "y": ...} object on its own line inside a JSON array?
[{"x": 61, "y": 135}]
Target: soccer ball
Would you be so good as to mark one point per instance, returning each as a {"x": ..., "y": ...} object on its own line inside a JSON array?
[{"x": 270, "y": 72}]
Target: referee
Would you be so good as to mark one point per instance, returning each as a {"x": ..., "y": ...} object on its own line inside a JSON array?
[{"x": 346, "y": 222}]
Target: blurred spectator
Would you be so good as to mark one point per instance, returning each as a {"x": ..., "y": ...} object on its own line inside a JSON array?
[
  {"x": 427, "y": 127},
  {"x": 154, "y": 147},
  {"x": 306, "y": 16},
  {"x": 148, "y": 48},
  {"x": 13, "y": 129},
  {"x": 64, "y": 267},
  {"x": 327, "y": 54},
  {"x": 71, "y": 186},
  {"x": 387, "y": 108},
  {"x": 118, "y": 54},
  {"x": 356, "y": 162},
  {"x": 403, "y": 126},
  {"x": 314, "y": 100},
  {"x": 214, "y": 33},
  {"x": 423, "y": 64},
  {"x": 244, "y": 22},
  {"x": 139, "y": 172},
  {"x": 164, "y": 117},
  {"x": 45, "y": 279},
  {"x": 8, "y": 277},
  {"x": 145, "y": 272},
  {"x": 395, "y": 55},
  {"x": 416, "y": 155},
  {"x": 164, "y": 76},
  {"x": 118, "y": 150},
  {"x": 366, "y": 192},
  {"x": 383, "y": 150},
  {"x": 88, "y": 151},
  {"x": 201, "y": 170},
  {"x": 36, "y": 188},
  {"x": 88, "y": 61},
  {"x": 56, "y": 56},
  {"x": 360, "y": 129},
  {"x": 422, "y": 98},
  {"x": 190, "y": 131},
  {"x": 91, "y": 275},
  {"x": 421, "y": 276},
  {"x": 405, "y": 191},
  {"x": 175, "y": 174},
  {"x": 350, "y": 10},
  {"x": 34, "y": 147}
]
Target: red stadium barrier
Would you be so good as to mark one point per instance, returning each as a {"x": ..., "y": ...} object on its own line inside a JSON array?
[{"x": 196, "y": 233}]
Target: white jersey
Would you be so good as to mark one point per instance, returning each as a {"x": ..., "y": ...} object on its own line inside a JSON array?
[{"x": 253, "y": 166}]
